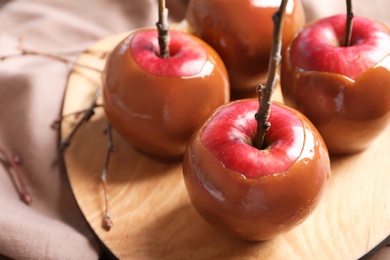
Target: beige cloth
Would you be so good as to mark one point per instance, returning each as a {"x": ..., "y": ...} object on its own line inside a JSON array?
[{"x": 31, "y": 92}]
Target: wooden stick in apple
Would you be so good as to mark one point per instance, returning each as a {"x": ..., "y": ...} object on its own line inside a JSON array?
[
  {"x": 265, "y": 92},
  {"x": 349, "y": 24},
  {"x": 163, "y": 29}
]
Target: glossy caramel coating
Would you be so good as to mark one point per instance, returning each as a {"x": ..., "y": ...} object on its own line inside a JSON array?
[
  {"x": 257, "y": 208},
  {"x": 349, "y": 114},
  {"x": 241, "y": 32},
  {"x": 158, "y": 114}
]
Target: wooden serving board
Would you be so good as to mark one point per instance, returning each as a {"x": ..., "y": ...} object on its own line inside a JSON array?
[{"x": 154, "y": 219}]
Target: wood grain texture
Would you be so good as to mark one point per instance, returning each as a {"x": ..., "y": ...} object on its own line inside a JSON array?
[{"x": 154, "y": 219}]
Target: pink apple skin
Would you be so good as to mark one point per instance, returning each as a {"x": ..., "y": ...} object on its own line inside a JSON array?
[
  {"x": 157, "y": 103},
  {"x": 187, "y": 57},
  {"x": 249, "y": 193},
  {"x": 237, "y": 124},
  {"x": 319, "y": 46},
  {"x": 344, "y": 91}
]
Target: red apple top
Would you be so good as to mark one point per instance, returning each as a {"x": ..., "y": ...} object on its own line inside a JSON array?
[
  {"x": 182, "y": 62},
  {"x": 282, "y": 147},
  {"x": 319, "y": 46}
]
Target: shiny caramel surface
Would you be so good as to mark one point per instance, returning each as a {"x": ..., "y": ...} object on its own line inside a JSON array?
[
  {"x": 257, "y": 208},
  {"x": 241, "y": 32},
  {"x": 158, "y": 114},
  {"x": 349, "y": 114}
]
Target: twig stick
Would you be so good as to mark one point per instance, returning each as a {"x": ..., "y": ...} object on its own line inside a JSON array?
[
  {"x": 89, "y": 112},
  {"x": 264, "y": 93},
  {"x": 24, "y": 51},
  {"x": 14, "y": 161},
  {"x": 76, "y": 114},
  {"x": 107, "y": 222},
  {"x": 348, "y": 24},
  {"x": 163, "y": 29}
]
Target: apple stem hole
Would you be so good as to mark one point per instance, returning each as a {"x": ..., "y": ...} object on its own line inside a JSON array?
[
  {"x": 163, "y": 29},
  {"x": 348, "y": 24},
  {"x": 264, "y": 93}
]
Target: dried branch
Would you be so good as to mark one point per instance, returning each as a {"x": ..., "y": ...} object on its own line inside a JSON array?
[
  {"x": 14, "y": 161},
  {"x": 107, "y": 222},
  {"x": 25, "y": 51},
  {"x": 88, "y": 113}
]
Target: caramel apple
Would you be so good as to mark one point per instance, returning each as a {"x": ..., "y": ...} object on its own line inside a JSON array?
[
  {"x": 343, "y": 90},
  {"x": 251, "y": 193},
  {"x": 241, "y": 32},
  {"x": 155, "y": 102}
]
